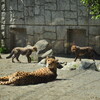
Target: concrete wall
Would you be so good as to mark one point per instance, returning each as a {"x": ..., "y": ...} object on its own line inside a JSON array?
[{"x": 47, "y": 19}]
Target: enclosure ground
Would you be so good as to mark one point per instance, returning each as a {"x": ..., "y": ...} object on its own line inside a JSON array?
[{"x": 70, "y": 85}]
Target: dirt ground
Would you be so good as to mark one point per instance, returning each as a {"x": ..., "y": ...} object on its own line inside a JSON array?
[{"x": 70, "y": 85}]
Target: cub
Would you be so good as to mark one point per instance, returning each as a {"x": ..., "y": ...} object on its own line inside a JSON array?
[
  {"x": 27, "y": 51},
  {"x": 80, "y": 51}
]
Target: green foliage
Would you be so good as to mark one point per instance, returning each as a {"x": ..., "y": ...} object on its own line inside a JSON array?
[
  {"x": 93, "y": 7},
  {"x": 3, "y": 50}
]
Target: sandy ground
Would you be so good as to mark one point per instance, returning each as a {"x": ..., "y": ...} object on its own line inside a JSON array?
[{"x": 70, "y": 85}]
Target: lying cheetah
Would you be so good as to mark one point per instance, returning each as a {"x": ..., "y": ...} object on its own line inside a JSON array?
[{"x": 42, "y": 75}]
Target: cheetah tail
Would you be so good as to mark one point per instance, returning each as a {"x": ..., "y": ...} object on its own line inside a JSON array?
[{"x": 12, "y": 52}]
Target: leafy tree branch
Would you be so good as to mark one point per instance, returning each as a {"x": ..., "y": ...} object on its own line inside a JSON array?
[{"x": 93, "y": 7}]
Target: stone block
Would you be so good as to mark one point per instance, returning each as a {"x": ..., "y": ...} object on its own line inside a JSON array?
[
  {"x": 57, "y": 18},
  {"x": 83, "y": 20},
  {"x": 19, "y": 21},
  {"x": 3, "y": 34},
  {"x": 13, "y": 5},
  {"x": 12, "y": 20},
  {"x": 63, "y": 5},
  {"x": 50, "y": 6},
  {"x": 39, "y": 2},
  {"x": 97, "y": 41},
  {"x": 18, "y": 15},
  {"x": 7, "y": 17},
  {"x": 2, "y": 27},
  {"x": 37, "y": 37},
  {"x": 6, "y": 32},
  {"x": 30, "y": 30},
  {"x": 73, "y": 2},
  {"x": 28, "y": 2},
  {"x": 38, "y": 29},
  {"x": 42, "y": 10},
  {"x": 61, "y": 32},
  {"x": 48, "y": 17},
  {"x": 37, "y": 10},
  {"x": 49, "y": 29},
  {"x": 82, "y": 11},
  {"x": 50, "y": 1},
  {"x": 70, "y": 21},
  {"x": 3, "y": 22},
  {"x": 91, "y": 41},
  {"x": 3, "y": 7},
  {"x": 49, "y": 35},
  {"x": 26, "y": 12},
  {"x": 70, "y": 14},
  {"x": 3, "y": 14},
  {"x": 30, "y": 39},
  {"x": 94, "y": 22},
  {"x": 31, "y": 11},
  {"x": 39, "y": 20},
  {"x": 73, "y": 7},
  {"x": 29, "y": 20},
  {"x": 94, "y": 30},
  {"x": 20, "y": 5},
  {"x": 78, "y": 27}
]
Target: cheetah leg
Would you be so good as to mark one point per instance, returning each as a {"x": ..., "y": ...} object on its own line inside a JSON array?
[
  {"x": 28, "y": 58},
  {"x": 17, "y": 56},
  {"x": 75, "y": 58},
  {"x": 13, "y": 59},
  {"x": 80, "y": 58},
  {"x": 6, "y": 78},
  {"x": 15, "y": 81}
]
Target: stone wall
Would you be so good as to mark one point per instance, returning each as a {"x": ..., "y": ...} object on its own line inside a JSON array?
[
  {"x": 47, "y": 19},
  {"x": 0, "y": 22}
]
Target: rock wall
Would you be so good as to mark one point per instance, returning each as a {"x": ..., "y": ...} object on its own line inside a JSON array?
[{"x": 46, "y": 19}]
